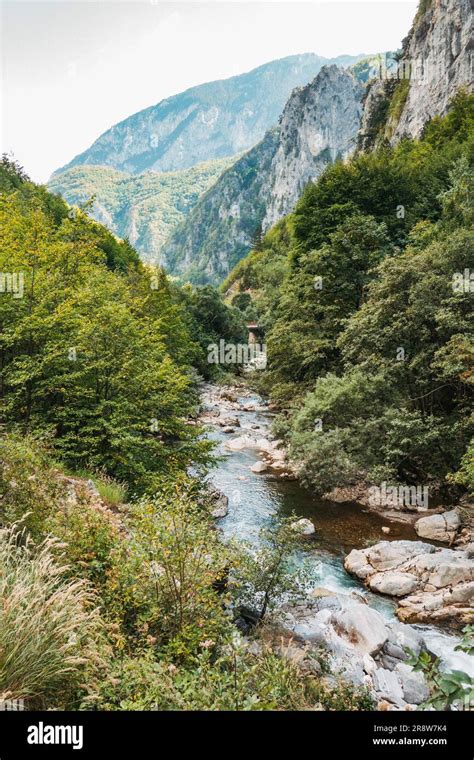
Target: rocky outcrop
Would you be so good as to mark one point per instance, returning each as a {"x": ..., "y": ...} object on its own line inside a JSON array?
[
  {"x": 439, "y": 56},
  {"x": 437, "y": 61},
  {"x": 304, "y": 527},
  {"x": 218, "y": 232},
  {"x": 431, "y": 584},
  {"x": 209, "y": 121},
  {"x": 442, "y": 527},
  {"x": 319, "y": 124},
  {"x": 362, "y": 647}
]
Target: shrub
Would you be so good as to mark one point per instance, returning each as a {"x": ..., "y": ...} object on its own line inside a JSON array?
[
  {"x": 235, "y": 680},
  {"x": 88, "y": 539},
  {"x": 28, "y": 489},
  {"x": 182, "y": 561},
  {"x": 262, "y": 577}
]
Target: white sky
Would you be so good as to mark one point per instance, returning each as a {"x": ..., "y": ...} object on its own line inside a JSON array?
[{"x": 70, "y": 70}]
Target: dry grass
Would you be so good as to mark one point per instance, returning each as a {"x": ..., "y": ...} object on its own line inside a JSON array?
[{"x": 47, "y": 623}]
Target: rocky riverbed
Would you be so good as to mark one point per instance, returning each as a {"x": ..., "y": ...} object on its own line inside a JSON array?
[{"x": 350, "y": 608}]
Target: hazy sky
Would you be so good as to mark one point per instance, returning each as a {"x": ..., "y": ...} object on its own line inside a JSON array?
[{"x": 70, "y": 70}]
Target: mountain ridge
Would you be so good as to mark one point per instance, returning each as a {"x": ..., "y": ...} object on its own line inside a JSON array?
[
  {"x": 319, "y": 124},
  {"x": 212, "y": 120}
]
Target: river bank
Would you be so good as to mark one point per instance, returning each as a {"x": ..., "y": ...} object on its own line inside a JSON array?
[{"x": 363, "y": 638}]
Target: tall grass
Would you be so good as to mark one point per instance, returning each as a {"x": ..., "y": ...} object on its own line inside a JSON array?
[
  {"x": 111, "y": 491},
  {"x": 48, "y": 624}
]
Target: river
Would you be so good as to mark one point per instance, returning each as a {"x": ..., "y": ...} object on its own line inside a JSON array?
[{"x": 256, "y": 499}]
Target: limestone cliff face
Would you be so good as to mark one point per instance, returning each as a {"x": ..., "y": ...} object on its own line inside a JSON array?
[
  {"x": 439, "y": 52},
  {"x": 437, "y": 60},
  {"x": 318, "y": 125}
]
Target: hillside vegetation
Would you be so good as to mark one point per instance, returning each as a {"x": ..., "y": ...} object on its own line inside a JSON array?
[
  {"x": 114, "y": 581},
  {"x": 144, "y": 208},
  {"x": 368, "y": 313}
]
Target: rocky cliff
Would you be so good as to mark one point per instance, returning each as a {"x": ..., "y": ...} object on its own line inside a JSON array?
[
  {"x": 318, "y": 125},
  {"x": 213, "y": 120},
  {"x": 437, "y": 60}
]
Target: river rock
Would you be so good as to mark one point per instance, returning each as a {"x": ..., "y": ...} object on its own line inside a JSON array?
[
  {"x": 219, "y": 502},
  {"x": 303, "y": 526},
  {"x": 242, "y": 442},
  {"x": 439, "y": 527},
  {"x": 445, "y": 567},
  {"x": 229, "y": 422},
  {"x": 362, "y": 647},
  {"x": 388, "y": 686},
  {"x": 414, "y": 687},
  {"x": 433, "y": 584},
  {"x": 469, "y": 550},
  {"x": 228, "y": 394},
  {"x": 362, "y": 626},
  {"x": 393, "y": 583},
  {"x": 259, "y": 467},
  {"x": 445, "y": 605}
]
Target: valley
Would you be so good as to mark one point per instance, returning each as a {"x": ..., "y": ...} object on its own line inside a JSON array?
[{"x": 236, "y": 386}]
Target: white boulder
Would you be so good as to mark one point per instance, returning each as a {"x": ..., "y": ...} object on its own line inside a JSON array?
[
  {"x": 304, "y": 527},
  {"x": 439, "y": 527}
]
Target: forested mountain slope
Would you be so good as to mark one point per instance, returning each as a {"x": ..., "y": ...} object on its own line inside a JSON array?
[
  {"x": 368, "y": 315},
  {"x": 144, "y": 208}
]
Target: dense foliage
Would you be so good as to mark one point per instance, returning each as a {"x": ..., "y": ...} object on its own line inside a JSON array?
[
  {"x": 97, "y": 352},
  {"x": 366, "y": 297},
  {"x": 106, "y": 604}
]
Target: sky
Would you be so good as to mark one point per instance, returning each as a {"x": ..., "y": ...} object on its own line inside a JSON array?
[{"x": 71, "y": 69}]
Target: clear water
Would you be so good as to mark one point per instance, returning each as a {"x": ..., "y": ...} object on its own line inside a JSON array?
[{"x": 255, "y": 500}]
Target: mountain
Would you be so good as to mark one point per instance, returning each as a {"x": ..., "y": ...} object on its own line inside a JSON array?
[
  {"x": 144, "y": 208},
  {"x": 212, "y": 120},
  {"x": 437, "y": 60},
  {"x": 319, "y": 124}
]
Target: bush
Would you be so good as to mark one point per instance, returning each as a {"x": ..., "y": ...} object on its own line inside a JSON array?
[
  {"x": 28, "y": 489},
  {"x": 182, "y": 561},
  {"x": 235, "y": 680},
  {"x": 89, "y": 539}
]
